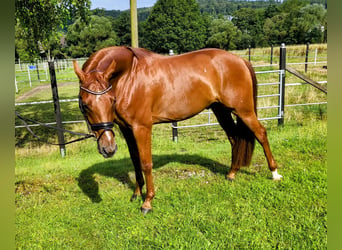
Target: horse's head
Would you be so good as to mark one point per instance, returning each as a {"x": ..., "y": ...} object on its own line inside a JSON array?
[{"x": 96, "y": 101}]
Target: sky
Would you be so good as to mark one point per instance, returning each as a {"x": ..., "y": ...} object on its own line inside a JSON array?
[{"x": 119, "y": 4}]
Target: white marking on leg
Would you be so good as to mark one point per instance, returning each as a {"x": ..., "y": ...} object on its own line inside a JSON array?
[{"x": 276, "y": 176}]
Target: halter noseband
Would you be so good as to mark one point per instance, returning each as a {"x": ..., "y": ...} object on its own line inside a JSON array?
[
  {"x": 106, "y": 126},
  {"x": 102, "y": 125}
]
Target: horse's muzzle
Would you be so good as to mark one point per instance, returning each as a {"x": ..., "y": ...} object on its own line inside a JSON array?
[
  {"x": 106, "y": 144},
  {"x": 107, "y": 152}
]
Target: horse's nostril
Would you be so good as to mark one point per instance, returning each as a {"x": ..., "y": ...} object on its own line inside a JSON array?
[
  {"x": 104, "y": 151},
  {"x": 108, "y": 151}
]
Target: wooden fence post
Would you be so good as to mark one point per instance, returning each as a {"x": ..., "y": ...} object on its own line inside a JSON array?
[
  {"x": 57, "y": 107},
  {"x": 249, "y": 53},
  {"x": 37, "y": 70},
  {"x": 282, "y": 66},
  {"x": 134, "y": 23},
  {"x": 271, "y": 54},
  {"x": 174, "y": 132},
  {"x": 306, "y": 57},
  {"x": 307, "y": 79}
]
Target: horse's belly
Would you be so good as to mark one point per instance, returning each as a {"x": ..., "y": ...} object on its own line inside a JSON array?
[{"x": 182, "y": 105}]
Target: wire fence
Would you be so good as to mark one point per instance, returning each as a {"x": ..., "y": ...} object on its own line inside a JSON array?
[
  {"x": 37, "y": 73},
  {"x": 209, "y": 114},
  {"x": 27, "y": 74},
  {"x": 275, "y": 105},
  {"x": 30, "y": 74}
]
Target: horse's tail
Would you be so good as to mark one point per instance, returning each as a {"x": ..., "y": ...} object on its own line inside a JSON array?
[
  {"x": 254, "y": 79},
  {"x": 245, "y": 139}
]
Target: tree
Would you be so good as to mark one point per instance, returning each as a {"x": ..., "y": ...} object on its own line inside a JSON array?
[
  {"x": 83, "y": 39},
  {"x": 311, "y": 19},
  {"x": 26, "y": 49},
  {"x": 298, "y": 23},
  {"x": 271, "y": 11},
  {"x": 176, "y": 25},
  {"x": 275, "y": 30},
  {"x": 290, "y": 6},
  {"x": 223, "y": 34},
  {"x": 122, "y": 27},
  {"x": 41, "y": 19},
  {"x": 250, "y": 22}
]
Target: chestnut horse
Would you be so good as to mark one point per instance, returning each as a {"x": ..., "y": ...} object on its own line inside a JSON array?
[{"x": 136, "y": 88}]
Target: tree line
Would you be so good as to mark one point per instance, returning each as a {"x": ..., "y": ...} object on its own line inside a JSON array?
[{"x": 73, "y": 30}]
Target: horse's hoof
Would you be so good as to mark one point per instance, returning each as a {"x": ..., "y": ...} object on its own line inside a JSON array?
[
  {"x": 276, "y": 176},
  {"x": 230, "y": 179},
  {"x": 146, "y": 210},
  {"x": 134, "y": 197}
]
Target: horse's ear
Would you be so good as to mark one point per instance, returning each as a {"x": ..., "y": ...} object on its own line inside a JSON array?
[
  {"x": 109, "y": 71},
  {"x": 79, "y": 72}
]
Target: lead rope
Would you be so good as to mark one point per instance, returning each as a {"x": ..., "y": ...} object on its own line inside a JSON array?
[{"x": 24, "y": 121}]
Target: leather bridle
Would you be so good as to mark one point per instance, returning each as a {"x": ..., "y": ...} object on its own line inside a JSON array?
[
  {"x": 105, "y": 126},
  {"x": 97, "y": 92}
]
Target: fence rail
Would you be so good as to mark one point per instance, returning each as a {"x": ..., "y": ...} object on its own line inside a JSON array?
[
  {"x": 39, "y": 73},
  {"x": 45, "y": 102},
  {"x": 29, "y": 73},
  {"x": 202, "y": 113},
  {"x": 280, "y": 94}
]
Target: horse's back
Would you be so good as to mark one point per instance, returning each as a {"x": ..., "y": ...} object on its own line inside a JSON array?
[
  {"x": 171, "y": 88},
  {"x": 222, "y": 68},
  {"x": 182, "y": 86}
]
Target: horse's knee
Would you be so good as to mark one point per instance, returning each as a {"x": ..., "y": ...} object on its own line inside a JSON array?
[{"x": 146, "y": 167}]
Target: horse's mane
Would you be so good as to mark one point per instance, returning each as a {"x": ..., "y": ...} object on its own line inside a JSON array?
[
  {"x": 95, "y": 58},
  {"x": 104, "y": 55},
  {"x": 141, "y": 53}
]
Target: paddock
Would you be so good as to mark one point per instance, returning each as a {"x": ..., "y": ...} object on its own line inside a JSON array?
[
  {"x": 276, "y": 91},
  {"x": 82, "y": 200}
]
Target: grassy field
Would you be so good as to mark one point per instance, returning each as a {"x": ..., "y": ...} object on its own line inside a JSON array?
[{"x": 82, "y": 200}]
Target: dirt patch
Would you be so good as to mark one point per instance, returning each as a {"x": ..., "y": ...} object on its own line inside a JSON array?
[{"x": 38, "y": 89}]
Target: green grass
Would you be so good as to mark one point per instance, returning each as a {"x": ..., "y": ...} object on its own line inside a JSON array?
[
  {"x": 65, "y": 74},
  {"x": 82, "y": 201}
]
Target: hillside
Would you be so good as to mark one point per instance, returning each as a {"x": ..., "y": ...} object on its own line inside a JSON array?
[{"x": 216, "y": 7}]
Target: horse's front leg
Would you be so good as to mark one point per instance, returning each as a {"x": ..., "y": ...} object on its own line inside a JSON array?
[
  {"x": 133, "y": 150},
  {"x": 142, "y": 136}
]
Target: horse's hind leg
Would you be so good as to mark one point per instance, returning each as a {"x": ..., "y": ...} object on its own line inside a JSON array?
[
  {"x": 250, "y": 119},
  {"x": 227, "y": 123}
]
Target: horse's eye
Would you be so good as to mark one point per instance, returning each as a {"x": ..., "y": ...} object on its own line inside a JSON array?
[{"x": 83, "y": 107}]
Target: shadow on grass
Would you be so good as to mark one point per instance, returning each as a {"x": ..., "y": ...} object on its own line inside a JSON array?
[{"x": 119, "y": 169}]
